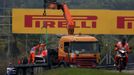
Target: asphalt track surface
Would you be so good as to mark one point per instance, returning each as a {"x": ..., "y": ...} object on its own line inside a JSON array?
[
  {"x": 129, "y": 69},
  {"x": 123, "y": 71}
]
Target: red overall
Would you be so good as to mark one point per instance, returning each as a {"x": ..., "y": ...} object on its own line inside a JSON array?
[{"x": 120, "y": 45}]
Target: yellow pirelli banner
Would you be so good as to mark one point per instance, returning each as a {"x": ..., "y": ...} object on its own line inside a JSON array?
[{"x": 32, "y": 21}]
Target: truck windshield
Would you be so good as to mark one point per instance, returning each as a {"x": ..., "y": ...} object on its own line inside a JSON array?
[{"x": 84, "y": 47}]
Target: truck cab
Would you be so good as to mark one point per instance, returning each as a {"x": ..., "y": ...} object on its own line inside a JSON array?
[{"x": 79, "y": 50}]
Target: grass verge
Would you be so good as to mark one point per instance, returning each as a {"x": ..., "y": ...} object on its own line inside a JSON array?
[{"x": 80, "y": 71}]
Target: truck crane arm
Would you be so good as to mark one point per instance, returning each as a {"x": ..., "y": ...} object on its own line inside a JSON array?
[{"x": 66, "y": 13}]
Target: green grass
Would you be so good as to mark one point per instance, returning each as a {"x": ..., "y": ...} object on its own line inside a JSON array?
[{"x": 80, "y": 71}]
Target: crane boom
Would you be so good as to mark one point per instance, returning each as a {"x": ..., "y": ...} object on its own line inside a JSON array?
[
  {"x": 66, "y": 13},
  {"x": 70, "y": 22}
]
